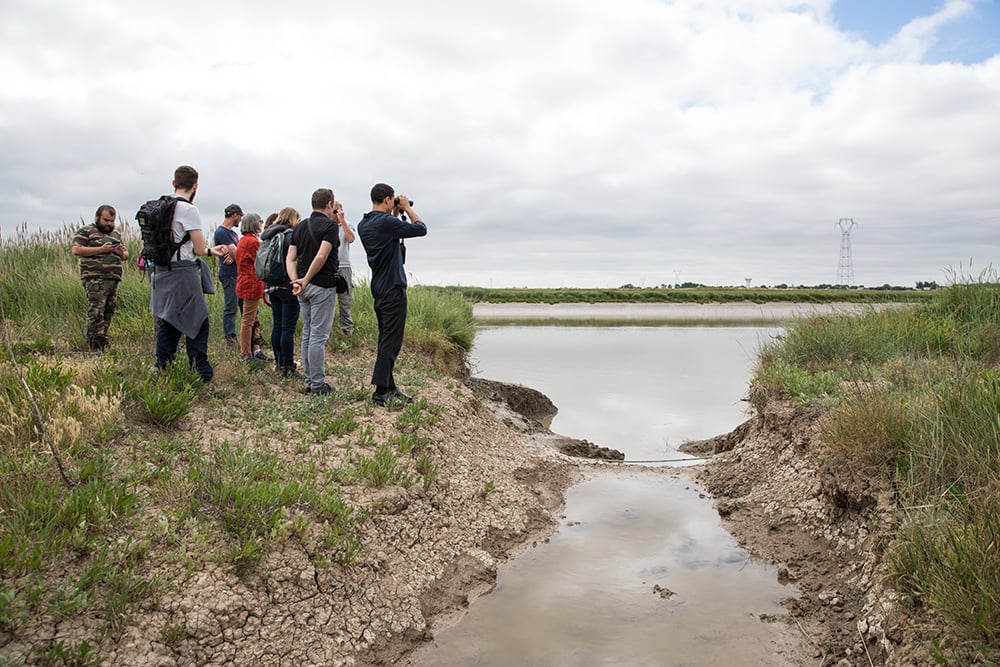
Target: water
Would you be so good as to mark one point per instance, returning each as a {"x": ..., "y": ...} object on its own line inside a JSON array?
[
  {"x": 641, "y": 571},
  {"x": 643, "y": 390}
]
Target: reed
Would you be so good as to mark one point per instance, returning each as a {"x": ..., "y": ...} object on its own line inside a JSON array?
[{"x": 916, "y": 391}]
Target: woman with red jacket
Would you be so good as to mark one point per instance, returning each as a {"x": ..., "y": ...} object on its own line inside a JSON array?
[{"x": 248, "y": 287}]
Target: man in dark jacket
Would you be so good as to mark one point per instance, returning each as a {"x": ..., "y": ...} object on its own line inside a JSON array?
[{"x": 382, "y": 232}]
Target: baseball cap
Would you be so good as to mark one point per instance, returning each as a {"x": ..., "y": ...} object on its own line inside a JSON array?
[{"x": 233, "y": 209}]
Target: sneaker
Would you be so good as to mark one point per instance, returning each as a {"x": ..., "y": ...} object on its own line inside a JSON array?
[
  {"x": 260, "y": 356},
  {"x": 321, "y": 390},
  {"x": 290, "y": 372},
  {"x": 247, "y": 358}
]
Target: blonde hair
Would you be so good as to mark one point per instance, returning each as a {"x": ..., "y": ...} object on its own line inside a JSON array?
[{"x": 288, "y": 217}]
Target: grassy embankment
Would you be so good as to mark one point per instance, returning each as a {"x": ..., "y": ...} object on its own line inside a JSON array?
[
  {"x": 121, "y": 493},
  {"x": 915, "y": 394}
]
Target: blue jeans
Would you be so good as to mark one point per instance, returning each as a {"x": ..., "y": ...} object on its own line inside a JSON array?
[
  {"x": 167, "y": 338},
  {"x": 318, "y": 305},
  {"x": 285, "y": 315},
  {"x": 230, "y": 305}
]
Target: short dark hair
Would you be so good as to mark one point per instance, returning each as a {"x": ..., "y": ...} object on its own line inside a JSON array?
[
  {"x": 105, "y": 207},
  {"x": 321, "y": 198},
  {"x": 380, "y": 191},
  {"x": 185, "y": 177}
]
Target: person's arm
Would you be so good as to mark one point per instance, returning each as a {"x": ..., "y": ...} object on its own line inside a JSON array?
[
  {"x": 198, "y": 241},
  {"x": 324, "y": 252},
  {"x": 348, "y": 232},
  {"x": 80, "y": 250}
]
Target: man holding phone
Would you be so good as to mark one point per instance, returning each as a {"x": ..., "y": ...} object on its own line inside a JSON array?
[{"x": 101, "y": 251}]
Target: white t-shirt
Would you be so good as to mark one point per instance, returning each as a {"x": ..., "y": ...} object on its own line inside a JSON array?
[
  {"x": 344, "y": 258},
  {"x": 186, "y": 219}
]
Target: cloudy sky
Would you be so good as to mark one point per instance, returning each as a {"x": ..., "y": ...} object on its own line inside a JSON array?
[{"x": 546, "y": 142}]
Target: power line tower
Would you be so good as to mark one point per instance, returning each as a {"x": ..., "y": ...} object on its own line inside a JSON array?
[{"x": 845, "y": 267}]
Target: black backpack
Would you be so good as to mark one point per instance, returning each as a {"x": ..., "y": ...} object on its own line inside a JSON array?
[{"x": 156, "y": 219}]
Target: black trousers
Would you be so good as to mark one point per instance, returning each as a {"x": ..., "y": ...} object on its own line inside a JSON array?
[
  {"x": 167, "y": 339},
  {"x": 390, "y": 311}
]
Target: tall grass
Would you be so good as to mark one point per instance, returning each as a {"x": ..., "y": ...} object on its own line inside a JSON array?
[
  {"x": 917, "y": 392},
  {"x": 33, "y": 265}
]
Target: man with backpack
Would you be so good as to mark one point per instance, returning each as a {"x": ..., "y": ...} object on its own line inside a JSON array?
[
  {"x": 312, "y": 270},
  {"x": 179, "y": 278},
  {"x": 226, "y": 237}
]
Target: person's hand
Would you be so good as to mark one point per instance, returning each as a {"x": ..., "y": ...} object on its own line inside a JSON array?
[{"x": 297, "y": 286}]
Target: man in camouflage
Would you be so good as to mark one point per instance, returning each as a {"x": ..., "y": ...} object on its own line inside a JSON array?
[{"x": 101, "y": 252}]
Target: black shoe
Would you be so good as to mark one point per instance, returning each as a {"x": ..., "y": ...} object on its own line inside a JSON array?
[
  {"x": 260, "y": 356},
  {"x": 232, "y": 341},
  {"x": 321, "y": 390},
  {"x": 290, "y": 372},
  {"x": 401, "y": 397},
  {"x": 391, "y": 396}
]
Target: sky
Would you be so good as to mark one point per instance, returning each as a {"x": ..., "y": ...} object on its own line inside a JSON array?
[{"x": 546, "y": 143}]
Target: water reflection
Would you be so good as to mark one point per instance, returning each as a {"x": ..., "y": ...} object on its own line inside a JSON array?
[
  {"x": 641, "y": 390},
  {"x": 640, "y": 573}
]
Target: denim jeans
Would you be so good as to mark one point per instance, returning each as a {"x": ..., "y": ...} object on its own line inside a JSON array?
[
  {"x": 167, "y": 338},
  {"x": 318, "y": 305},
  {"x": 230, "y": 305},
  {"x": 285, "y": 315}
]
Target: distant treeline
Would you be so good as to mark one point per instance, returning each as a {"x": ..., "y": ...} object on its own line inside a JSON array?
[{"x": 688, "y": 295}]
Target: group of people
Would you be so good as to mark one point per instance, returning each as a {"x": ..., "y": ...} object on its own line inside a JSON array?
[{"x": 317, "y": 258}]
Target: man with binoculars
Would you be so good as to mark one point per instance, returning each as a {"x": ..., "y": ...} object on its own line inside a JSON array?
[{"x": 382, "y": 231}]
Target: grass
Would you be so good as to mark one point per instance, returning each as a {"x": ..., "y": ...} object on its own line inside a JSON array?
[
  {"x": 163, "y": 477},
  {"x": 686, "y": 295},
  {"x": 916, "y": 394}
]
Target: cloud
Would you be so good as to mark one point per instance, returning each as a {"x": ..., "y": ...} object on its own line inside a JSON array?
[{"x": 545, "y": 143}]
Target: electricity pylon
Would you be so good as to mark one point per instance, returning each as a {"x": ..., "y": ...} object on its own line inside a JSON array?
[{"x": 845, "y": 267}]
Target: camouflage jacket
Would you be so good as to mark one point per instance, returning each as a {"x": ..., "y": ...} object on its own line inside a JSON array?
[{"x": 98, "y": 266}]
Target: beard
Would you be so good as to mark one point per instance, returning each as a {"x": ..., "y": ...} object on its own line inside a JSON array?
[{"x": 106, "y": 230}]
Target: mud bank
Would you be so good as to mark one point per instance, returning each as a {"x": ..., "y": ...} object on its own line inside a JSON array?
[
  {"x": 426, "y": 551},
  {"x": 824, "y": 520}
]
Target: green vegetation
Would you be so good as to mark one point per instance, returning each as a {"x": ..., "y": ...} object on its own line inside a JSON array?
[
  {"x": 118, "y": 481},
  {"x": 686, "y": 295},
  {"x": 914, "y": 395}
]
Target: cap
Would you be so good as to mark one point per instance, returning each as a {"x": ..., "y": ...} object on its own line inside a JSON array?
[{"x": 233, "y": 209}]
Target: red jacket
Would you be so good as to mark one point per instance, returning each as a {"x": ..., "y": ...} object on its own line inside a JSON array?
[{"x": 247, "y": 285}]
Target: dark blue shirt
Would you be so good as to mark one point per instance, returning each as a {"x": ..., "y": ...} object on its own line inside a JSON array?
[
  {"x": 225, "y": 236},
  {"x": 381, "y": 235}
]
